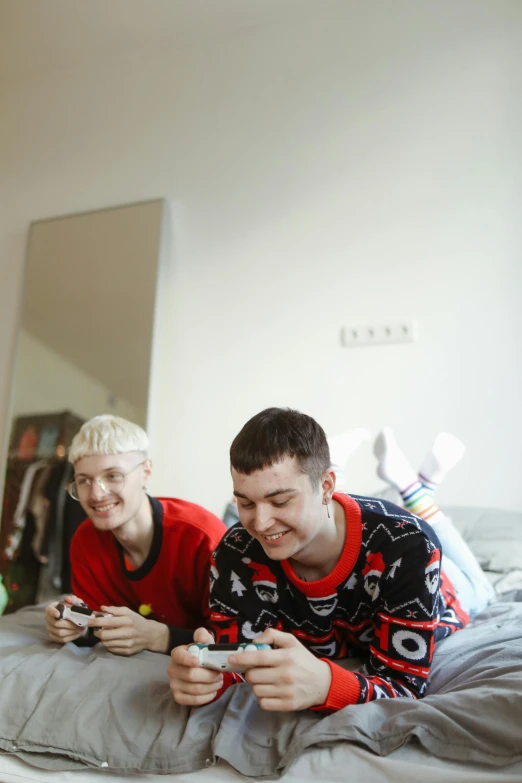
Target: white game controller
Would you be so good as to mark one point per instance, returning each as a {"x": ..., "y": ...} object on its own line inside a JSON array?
[
  {"x": 215, "y": 656},
  {"x": 79, "y": 614}
]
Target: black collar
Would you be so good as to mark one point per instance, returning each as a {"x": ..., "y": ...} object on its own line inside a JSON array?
[{"x": 155, "y": 548}]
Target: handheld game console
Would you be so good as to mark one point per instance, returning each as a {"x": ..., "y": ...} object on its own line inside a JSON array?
[
  {"x": 79, "y": 615},
  {"x": 215, "y": 656}
]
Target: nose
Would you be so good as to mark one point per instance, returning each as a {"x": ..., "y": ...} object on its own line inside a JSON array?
[
  {"x": 97, "y": 493},
  {"x": 263, "y": 519}
]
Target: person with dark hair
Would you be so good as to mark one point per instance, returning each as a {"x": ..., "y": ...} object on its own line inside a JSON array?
[
  {"x": 277, "y": 433},
  {"x": 319, "y": 575}
]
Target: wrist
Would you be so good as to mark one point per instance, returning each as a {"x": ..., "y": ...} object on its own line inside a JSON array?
[
  {"x": 160, "y": 637},
  {"x": 324, "y": 682}
]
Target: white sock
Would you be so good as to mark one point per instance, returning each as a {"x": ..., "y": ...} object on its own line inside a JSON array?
[
  {"x": 445, "y": 453},
  {"x": 341, "y": 449},
  {"x": 393, "y": 466}
]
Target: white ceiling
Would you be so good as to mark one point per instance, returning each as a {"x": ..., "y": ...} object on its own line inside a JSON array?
[{"x": 44, "y": 35}]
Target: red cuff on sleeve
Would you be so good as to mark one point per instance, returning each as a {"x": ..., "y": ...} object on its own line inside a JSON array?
[{"x": 344, "y": 689}]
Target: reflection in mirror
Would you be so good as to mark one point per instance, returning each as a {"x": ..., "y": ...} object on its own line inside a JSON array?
[{"x": 84, "y": 348}]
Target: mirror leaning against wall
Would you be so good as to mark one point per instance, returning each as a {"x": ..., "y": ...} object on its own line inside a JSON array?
[{"x": 84, "y": 348}]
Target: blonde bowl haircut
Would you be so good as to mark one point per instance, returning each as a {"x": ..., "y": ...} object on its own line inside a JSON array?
[{"x": 108, "y": 434}]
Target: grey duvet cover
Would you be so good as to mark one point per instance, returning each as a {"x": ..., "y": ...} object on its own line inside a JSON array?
[{"x": 71, "y": 708}]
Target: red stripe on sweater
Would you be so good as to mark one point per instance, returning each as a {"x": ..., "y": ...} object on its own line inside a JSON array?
[{"x": 401, "y": 666}]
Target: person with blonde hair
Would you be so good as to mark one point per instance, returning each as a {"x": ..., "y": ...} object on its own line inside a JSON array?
[{"x": 143, "y": 561}]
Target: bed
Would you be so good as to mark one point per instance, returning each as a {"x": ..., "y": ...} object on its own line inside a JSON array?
[{"x": 84, "y": 715}]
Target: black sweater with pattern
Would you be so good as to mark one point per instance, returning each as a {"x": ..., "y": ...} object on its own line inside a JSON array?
[{"x": 386, "y": 600}]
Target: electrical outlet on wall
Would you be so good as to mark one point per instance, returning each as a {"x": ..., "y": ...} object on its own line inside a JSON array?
[{"x": 384, "y": 334}]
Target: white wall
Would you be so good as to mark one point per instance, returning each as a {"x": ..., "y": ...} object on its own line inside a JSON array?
[
  {"x": 356, "y": 167},
  {"x": 45, "y": 382}
]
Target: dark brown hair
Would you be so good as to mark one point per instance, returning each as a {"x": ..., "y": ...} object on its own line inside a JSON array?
[{"x": 276, "y": 433}]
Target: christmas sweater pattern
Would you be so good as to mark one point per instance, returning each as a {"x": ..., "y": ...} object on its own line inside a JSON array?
[{"x": 386, "y": 601}]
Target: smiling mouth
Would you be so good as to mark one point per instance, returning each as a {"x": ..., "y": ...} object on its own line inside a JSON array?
[
  {"x": 105, "y": 507},
  {"x": 275, "y": 536}
]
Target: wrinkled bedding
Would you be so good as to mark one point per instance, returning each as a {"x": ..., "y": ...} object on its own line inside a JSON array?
[
  {"x": 68, "y": 707},
  {"x": 83, "y": 709}
]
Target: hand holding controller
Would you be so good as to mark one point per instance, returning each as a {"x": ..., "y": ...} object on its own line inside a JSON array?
[
  {"x": 215, "y": 656},
  {"x": 78, "y": 614}
]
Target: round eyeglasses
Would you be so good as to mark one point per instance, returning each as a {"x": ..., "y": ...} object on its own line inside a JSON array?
[{"x": 110, "y": 482}]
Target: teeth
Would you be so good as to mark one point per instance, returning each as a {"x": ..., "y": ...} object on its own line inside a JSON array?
[
  {"x": 105, "y": 508},
  {"x": 276, "y": 535}
]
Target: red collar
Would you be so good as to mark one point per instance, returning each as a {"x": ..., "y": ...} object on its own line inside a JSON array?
[{"x": 352, "y": 545}]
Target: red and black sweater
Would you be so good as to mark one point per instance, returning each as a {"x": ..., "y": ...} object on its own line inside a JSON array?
[
  {"x": 386, "y": 599},
  {"x": 171, "y": 586}
]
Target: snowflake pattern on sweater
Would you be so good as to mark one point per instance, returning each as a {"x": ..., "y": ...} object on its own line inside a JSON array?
[{"x": 386, "y": 600}]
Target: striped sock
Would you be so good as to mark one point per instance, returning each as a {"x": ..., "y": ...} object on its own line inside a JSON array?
[
  {"x": 445, "y": 452},
  {"x": 429, "y": 486},
  {"x": 418, "y": 500},
  {"x": 394, "y": 468}
]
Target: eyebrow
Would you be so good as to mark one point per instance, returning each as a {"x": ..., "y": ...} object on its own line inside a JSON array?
[
  {"x": 268, "y": 495},
  {"x": 105, "y": 470}
]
